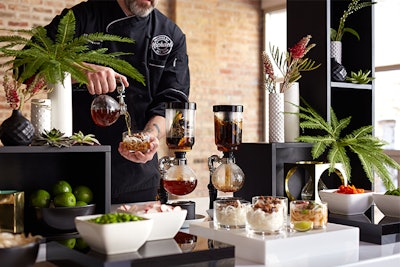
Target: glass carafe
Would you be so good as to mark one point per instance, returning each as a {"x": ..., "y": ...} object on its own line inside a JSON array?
[{"x": 105, "y": 110}]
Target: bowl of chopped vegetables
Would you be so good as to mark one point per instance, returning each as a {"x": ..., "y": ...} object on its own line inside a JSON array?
[
  {"x": 388, "y": 202},
  {"x": 114, "y": 233},
  {"x": 347, "y": 200}
]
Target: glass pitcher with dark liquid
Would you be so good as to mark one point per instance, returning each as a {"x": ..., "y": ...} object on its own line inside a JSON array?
[{"x": 105, "y": 110}]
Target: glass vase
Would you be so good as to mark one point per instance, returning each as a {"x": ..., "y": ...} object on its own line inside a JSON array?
[{"x": 308, "y": 191}]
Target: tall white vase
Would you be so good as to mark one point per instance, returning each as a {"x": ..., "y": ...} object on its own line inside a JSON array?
[
  {"x": 61, "y": 106},
  {"x": 266, "y": 116},
  {"x": 276, "y": 118},
  {"x": 292, "y": 122},
  {"x": 336, "y": 51}
]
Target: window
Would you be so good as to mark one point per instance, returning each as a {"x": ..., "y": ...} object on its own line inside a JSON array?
[{"x": 387, "y": 72}]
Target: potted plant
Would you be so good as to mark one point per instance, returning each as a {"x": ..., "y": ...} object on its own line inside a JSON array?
[
  {"x": 336, "y": 35},
  {"x": 330, "y": 142},
  {"x": 291, "y": 64},
  {"x": 34, "y": 61}
]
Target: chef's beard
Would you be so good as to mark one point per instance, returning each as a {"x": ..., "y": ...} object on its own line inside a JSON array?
[{"x": 140, "y": 10}]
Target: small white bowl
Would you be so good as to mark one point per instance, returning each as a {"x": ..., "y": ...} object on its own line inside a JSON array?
[
  {"x": 346, "y": 204},
  {"x": 389, "y": 205},
  {"x": 167, "y": 219},
  {"x": 113, "y": 238},
  {"x": 166, "y": 224}
]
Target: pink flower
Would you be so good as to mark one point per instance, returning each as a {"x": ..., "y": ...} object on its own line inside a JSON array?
[
  {"x": 270, "y": 78},
  {"x": 299, "y": 49},
  {"x": 18, "y": 93},
  {"x": 292, "y": 63}
]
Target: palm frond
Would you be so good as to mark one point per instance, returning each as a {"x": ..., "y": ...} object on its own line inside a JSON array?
[
  {"x": 361, "y": 142},
  {"x": 51, "y": 59}
]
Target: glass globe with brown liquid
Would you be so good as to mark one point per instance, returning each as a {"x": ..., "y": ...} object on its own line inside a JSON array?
[
  {"x": 179, "y": 179},
  {"x": 228, "y": 120}
]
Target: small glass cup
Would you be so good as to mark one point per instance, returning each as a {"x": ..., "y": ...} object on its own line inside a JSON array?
[
  {"x": 267, "y": 215},
  {"x": 230, "y": 213},
  {"x": 313, "y": 214},
  {"x": 285, "y": 205},
  {"x": 136, "y": 141}
]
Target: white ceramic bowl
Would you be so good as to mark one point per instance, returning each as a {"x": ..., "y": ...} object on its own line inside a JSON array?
[
  {"x": 389, "y": 205},
  {"x": 346, "y": 204},
  {"x": 166, "y": 224},
  {"x": 113, "y": 238}
]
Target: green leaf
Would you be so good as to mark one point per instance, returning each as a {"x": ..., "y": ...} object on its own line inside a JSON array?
[{"x": 352, "y": 31}]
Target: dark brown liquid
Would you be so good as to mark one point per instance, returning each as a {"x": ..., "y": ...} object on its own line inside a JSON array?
[
  {"x": 180, "y": 144},
  {"x": 228, "y": 135},
  {"x": 103, "y": 117},
  {"x": 179, "y": 187}
]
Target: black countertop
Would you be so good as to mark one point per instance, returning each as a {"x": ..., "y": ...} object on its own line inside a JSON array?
[{"x": 182, "y": 250}]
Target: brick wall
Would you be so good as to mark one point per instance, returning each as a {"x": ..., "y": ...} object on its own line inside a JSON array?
[{"x": 224, "y": 40}]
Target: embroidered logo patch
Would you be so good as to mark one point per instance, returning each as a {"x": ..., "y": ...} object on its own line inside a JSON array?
[{"x": 162, "y": 45}]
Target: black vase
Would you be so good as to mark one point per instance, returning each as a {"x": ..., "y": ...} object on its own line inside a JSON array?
[
  {"x": 16, "y": 130},
  {"x": 338, "y": 71}
]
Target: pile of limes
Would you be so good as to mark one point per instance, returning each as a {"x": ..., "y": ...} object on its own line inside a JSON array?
[{"x": 62, "y": 195}]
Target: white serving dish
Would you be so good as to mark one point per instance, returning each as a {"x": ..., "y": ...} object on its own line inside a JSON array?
[
  {"x": 346, "y": 204},
  {"x": 389, "y": 205},
  {"x": 113, "y": 238},
  {"x": 297, "y": 247},
  {"x": 166, "y": 224}
]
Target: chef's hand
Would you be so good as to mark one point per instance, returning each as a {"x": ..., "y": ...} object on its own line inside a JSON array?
[
  {"x": 102, "y": 79},
  {"x": 140, "y": 157}
]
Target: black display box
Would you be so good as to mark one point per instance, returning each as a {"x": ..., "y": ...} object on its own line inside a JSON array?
[{"x": 373, "y": 229}]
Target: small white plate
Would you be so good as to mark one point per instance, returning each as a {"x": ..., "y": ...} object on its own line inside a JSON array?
[{"x": 198, "y": 218}]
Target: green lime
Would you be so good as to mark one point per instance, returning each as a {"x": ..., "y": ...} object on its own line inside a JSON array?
[
  {"x": 66, "y": 199},
  {"x": 61, "y": 187},
  {"x": 40, "y": 198},
  {"x": 81, "y": 244},
  {"x": 303, "y": 226},
  {"x": 81, "y": 203},
  {"x": 69, "y": 242},
  {"x": 83, "y": 193}
]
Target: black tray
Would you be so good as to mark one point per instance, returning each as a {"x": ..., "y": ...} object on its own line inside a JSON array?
[
  {"x": 373, "y": 229},
  {"x": 183, "y": 250}
]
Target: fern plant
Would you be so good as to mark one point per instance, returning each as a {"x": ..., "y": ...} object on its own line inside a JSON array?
[
  {"x": 34, "y": 53},
  {"x": 367, "y": 147}
]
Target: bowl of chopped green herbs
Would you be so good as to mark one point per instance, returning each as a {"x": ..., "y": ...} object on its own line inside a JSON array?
[{"x": 114, "y": 233}]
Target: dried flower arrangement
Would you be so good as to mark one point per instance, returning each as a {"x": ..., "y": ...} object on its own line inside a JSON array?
[{"x": 290, "y": 63}]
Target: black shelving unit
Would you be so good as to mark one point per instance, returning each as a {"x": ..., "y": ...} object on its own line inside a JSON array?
[
  {"x": 264, "y": 167},
  {"x": 27, "y": 168},
  {"x": 347, "y": 99}
]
